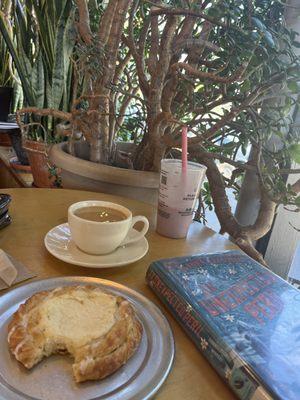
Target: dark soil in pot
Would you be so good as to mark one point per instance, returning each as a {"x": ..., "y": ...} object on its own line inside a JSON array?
[{"x": 6, "y": 96}]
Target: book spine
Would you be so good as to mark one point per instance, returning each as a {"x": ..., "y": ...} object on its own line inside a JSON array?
[{"x": 230, "y": 367}]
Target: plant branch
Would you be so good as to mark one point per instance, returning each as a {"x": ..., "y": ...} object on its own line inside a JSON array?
[
  {"x": 43, "y": 112},
  {"x": 160, "y": 9},
  {"x": 208, "y": 75},
  {"x": 84, "y": 22}
]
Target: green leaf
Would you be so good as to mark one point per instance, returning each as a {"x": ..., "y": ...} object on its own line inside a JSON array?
[
  {"x": 294, "y": 151},
  {"x": 13, "y": 51},
  {"x": 255, "y": 36},
  {"x": 296, "y": 44},
  {"x": 269, "y": 39},
  {"x": 64, "y": 44},
  {"x": 215, "y": 12},
  {"x": 246, "y": 86},
  {"x": 38, "y": 78},
  {"x": 293, "y": 86},
  {"x": 256, "y": 22},
  {"x": 206, "y": 185}
]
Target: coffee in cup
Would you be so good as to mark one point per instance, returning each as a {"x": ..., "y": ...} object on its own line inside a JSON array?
[
  {"x": 99, "y": 227},
  {"x": 100, "y": 214}
]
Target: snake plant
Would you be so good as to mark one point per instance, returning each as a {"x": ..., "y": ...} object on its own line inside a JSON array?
[
  {"x": 5, "y": 77},
  {"x": 40, "y": 37}
]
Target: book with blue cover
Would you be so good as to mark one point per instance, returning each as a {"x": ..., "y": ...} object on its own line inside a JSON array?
[{"x": 243, "y": 318}]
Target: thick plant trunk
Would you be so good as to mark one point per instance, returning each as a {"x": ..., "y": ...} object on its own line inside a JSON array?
[
  {"x": 242, "y": 235},
  {"x": 104, "y": 128},
  {"x": 144, "y": 156},
  {"x": 96, "y": 150},
  {"x": 148, "y": 156},
  {"x": 95, "y": 123},
  {"x": 249, "y": 198},
  {"x": 152, "y": 149}
]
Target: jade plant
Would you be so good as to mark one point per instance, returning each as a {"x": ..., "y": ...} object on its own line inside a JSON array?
[{"x": 227, "y": 69}]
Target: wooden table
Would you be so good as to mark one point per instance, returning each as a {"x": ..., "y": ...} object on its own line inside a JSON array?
[{"x": 36, "y": 211}]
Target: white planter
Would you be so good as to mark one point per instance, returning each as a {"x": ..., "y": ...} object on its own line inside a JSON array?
[{"x": 79, "y": 173}]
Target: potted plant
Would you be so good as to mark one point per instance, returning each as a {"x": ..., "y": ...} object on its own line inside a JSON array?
[
  {"x": 97, "y": 66},
  {"x": 5, "y": 89},
  {"x": 226, "y": 69},
  {"x": 44, "y": 67},
  {"x": 10, "y": 98}
]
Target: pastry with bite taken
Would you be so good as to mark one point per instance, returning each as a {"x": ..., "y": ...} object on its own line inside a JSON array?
[{"x": 98, "y": 329}]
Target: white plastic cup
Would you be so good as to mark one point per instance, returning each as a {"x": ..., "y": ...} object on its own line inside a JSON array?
[{"x": 178, "y": 193}]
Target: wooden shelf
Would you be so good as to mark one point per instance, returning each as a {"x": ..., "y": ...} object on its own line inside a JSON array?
[{"x": 22, "y": 179}]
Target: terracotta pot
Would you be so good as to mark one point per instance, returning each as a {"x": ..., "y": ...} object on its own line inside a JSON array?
[
  {"x": 79, "y": 173},
  {"x": 39, "y": 163},
  {"x": 5, "y": 140}
]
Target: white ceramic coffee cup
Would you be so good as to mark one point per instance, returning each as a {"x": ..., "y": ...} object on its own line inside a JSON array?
[{"x": 95, "y": 237}]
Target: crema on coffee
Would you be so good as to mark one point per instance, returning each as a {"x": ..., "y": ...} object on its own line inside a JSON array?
[{"x": 100, "y": 214}]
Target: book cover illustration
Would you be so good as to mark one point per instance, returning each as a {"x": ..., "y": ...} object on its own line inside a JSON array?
[{"x": 244, "y": 319}]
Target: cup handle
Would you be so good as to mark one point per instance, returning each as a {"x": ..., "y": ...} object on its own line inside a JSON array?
[{"x": 140, "y": 234}]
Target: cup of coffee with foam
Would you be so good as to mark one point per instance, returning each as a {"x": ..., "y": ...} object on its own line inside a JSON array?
[{"x": 99, "y": 227}]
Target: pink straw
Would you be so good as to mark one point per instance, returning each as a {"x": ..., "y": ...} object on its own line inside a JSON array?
[{"x": 184, "y": 149}]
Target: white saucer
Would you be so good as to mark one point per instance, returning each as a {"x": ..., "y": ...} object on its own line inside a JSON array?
[{"x": 59, "y": 243}]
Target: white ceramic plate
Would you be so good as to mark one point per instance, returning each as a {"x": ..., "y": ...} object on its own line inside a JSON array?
[{"x": 59, "y": 243}]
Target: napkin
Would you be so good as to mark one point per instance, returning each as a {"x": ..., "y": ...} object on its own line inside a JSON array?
[{"x": 12, "y": 271}]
